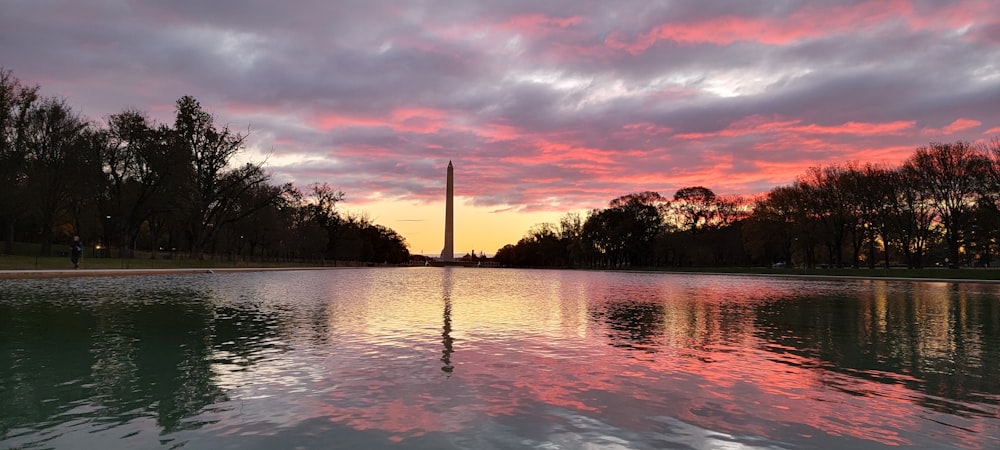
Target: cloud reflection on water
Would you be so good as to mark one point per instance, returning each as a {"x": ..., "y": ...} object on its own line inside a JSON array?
[{"x": 554, "y": 358}]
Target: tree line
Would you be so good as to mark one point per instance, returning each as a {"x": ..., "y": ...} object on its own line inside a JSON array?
[
  {"x": 129, "y": 184},
  {"x": 941, "y": 206}
]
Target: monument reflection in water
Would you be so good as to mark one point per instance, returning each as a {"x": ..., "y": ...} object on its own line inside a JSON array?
[{"x": 487, "y": 358}]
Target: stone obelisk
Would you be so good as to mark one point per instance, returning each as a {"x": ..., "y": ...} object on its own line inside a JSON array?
[{"x": 448, "y": 253}]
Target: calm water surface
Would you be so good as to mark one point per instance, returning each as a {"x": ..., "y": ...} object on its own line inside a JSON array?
[{"x": 443, "y": 358}]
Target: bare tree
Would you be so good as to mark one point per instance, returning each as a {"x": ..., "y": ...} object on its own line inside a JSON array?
[
  {"x": 953, "y": 175},
  {"x": 831, "y": 208},
  {"x": 571, "y": 237},
  {"x": 131, "y": 160},
  {"x": 786, "y": 218},
  {"x": 213, "y": 188},
  {"x": 16, "y": 100},
  {"x": 53, "y": 134}
]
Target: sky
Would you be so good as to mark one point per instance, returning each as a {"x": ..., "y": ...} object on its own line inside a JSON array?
[{"x": 545, "y": 107}]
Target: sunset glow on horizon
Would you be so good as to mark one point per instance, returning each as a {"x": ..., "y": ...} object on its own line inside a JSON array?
[{"x": 545, "y": 108}]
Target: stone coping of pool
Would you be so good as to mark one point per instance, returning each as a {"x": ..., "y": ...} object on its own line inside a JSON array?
[{"x": 8, "y": 274}]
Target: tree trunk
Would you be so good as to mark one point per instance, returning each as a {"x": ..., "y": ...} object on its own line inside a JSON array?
[{"x": 9, "y": 239}]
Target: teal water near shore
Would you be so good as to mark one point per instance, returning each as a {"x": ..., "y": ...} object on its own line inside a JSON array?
[{"x": 457, "y": 357}]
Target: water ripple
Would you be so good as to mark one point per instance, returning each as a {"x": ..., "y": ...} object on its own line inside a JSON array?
[{"x": 467, "y": 358}]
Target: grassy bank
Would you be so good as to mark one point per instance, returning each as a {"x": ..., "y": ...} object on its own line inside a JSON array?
[
  {"x": 926, "y": 273},
  {"x": 14, "y": 262}
]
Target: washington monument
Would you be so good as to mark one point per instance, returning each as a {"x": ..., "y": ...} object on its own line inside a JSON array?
[{"x": 448, "y": 253}]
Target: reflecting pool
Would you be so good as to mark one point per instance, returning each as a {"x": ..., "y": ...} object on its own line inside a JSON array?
[{"x": 441, "y": 358}]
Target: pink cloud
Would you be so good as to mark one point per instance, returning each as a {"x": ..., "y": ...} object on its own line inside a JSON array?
[
  {"x": 760, "y": 125},
  {"x": 888, "y": 155},
  {"x": 495, "y": 132},
  {"x": 987, "y": 33},
  {"x": 806, "y": 23},
  {"x": 647, "y": 128},
  {"x": 332, "y": 121},
  {"x": 961, "y": 124},
  {"x": 537, "y": 24},
  {"x": 400, "y": 84},
  {"x": 809, "y": 22},
  {"x": 402, "y": 119},
  {"x": 859, "y": 128}
]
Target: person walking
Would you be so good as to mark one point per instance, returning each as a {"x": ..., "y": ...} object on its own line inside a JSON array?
[{"x": 76, "y": 251}]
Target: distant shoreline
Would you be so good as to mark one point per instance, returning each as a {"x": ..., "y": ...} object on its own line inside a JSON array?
[
  {"x": 80, "y": 273},
  {"x": 828, "y": 277}
]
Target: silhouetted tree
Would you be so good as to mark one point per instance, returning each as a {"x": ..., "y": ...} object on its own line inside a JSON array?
[
  {"x": 829, "y": 204},
  {"x": 869, "y": 188},
  {"x": 165, "y": 167},
  {"x": 305, "y": 236},
  {"x": 909, "y": 217},
  {"x": 387, "y": 245},
  {"x": 86, "y": 176},
  {"x": 506, "y": 256},
  {"x": 694, "y": 207},
  {"x": 321, "y": 207},
  {"x": 705, "y": 230},
  {"x": 52, "y": 137},
  {"x": 624, "y": 233},
  {"x": 264, "y": 228},
  {"x": 571, "y": 239},
  {"x": 767, "y": 236},
  {"x": 953, "y": 176},
  {"x": 173, "y": 187},
  {"x": 543, "y": 246},
  {"x": 130, "y": 157},
  {"x": 987, "y": 218},
  {"x": 214, "y": 186},
  {"x": 16, "y": 100},
  {"x": 790, "y": 205}
]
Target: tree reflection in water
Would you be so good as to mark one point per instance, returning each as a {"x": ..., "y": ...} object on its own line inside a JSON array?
[
  {"x": 643, "y": 360},
  {"x": 123, "y": 359}
]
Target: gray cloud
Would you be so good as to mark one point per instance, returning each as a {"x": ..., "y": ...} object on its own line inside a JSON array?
[{"x": 554, "y": 105}]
